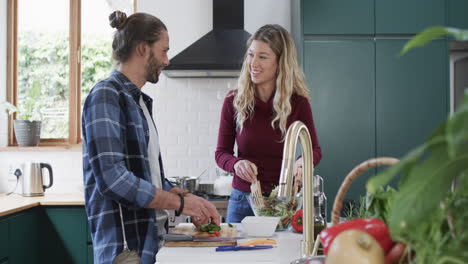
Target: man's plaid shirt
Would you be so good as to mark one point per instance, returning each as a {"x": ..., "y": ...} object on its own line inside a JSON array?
[{"x": 116, "y": 169}]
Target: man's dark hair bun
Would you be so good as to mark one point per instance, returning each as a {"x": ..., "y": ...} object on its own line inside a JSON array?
[{"x": 117, "y": 19}]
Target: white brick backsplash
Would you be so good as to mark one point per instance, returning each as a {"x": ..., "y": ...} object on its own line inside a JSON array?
[
  {"x": 186, "y": 112},
  {"x": 199, "y": 151},
  {"x": 207, "y": 140},
  {"x": 177, "y": 151}
]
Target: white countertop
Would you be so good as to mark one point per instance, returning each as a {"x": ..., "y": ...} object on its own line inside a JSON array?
[{"x": 288, "y": 248}]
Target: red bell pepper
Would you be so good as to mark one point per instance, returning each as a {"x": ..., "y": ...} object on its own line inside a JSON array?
[
  {"x": 373, "y": 226},
  {"x": 297, "y": 221}
]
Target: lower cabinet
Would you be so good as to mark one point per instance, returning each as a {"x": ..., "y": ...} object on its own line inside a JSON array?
[
  {"x": 46, "y": 235},
  {"x": 90, "y": 254},
  {"x": 24, "y": 237},
  {"x": 4, "y": 246},
  {"x": 64, "y": 233}
]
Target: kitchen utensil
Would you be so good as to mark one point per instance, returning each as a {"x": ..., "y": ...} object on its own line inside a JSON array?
[
  {"x": 256, "y": 191},
  {"x": 230, "y": 233},
  {"x": 182, "y": 237},
  {"x": 185, "y": 182},
  {"x": 237, "y": 248},
  {"x": 32, "y": 179},
  {"x": 262, "y": 241}
]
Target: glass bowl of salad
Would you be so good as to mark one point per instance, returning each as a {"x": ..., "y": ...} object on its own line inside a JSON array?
[{"x": 284, "y": 208}]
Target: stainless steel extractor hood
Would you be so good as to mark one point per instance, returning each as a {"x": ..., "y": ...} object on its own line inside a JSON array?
[{"x": 220, "y": 52}]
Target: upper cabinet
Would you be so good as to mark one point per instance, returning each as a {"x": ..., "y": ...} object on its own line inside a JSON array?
[
  {"x": 338, "y": 16},
  {"x": 411, "y": 94},
  {"x": 458, "y": 15},
  {"x": 340, "y": 74},
  {"x": 408, "y": 16}
]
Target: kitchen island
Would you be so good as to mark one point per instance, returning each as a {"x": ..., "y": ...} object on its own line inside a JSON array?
[{"x": 288, "y": 248}]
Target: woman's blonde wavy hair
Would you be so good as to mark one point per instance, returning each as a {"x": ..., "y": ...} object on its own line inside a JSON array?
[{"x": 289, "y": 80}]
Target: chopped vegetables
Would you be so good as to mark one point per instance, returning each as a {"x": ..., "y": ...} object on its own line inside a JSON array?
[{"x": 210, "y": 227}]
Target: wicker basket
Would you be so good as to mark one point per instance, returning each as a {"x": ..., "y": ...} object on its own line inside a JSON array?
[{"x": 352, "y": 175}]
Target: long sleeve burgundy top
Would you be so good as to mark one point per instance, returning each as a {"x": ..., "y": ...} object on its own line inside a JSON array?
[{"x": 259, "y": 142}]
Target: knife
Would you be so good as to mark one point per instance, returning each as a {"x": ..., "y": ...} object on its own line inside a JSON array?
[{"x": 183, "y": 237}]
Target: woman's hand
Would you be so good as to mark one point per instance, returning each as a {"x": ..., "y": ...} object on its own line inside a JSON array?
[
  {"x": 246, "y": 170},
  {"x": 298, "y": 171}
]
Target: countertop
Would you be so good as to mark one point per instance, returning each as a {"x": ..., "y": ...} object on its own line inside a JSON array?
[
  {"x": 288, "y": 248},
  {"x": 16, "y": 203}
]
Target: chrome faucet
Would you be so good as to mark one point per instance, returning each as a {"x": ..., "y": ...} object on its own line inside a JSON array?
[{"x": 296, "y": 131}]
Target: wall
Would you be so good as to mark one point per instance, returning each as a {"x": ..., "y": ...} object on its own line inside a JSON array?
[
  {"x": 3, "y": 51},
  {"x": 186, "y": 110}
]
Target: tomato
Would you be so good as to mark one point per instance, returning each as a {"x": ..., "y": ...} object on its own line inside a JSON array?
[{"x": 297, "y": 221}]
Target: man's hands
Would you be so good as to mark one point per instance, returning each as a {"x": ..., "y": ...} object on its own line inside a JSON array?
[
  {"x": 246, "y": 170},
  {"x": 198, "y": 208}
]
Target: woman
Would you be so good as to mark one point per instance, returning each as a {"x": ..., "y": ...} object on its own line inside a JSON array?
[{"x": 271, "y": 95}]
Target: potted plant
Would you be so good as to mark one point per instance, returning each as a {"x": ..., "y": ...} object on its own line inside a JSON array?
[{"x": 27, "y": 126}]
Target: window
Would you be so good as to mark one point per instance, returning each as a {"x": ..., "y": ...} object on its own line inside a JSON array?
[{"x": 57, "y": 51}]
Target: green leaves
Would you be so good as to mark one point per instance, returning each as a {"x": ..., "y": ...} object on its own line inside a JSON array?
[
  {"x": 432, "y": 33},
  {"x": 418, "y": 213}
]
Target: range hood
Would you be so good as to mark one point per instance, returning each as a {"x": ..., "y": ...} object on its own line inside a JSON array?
[{"x": 220, "y": 52}]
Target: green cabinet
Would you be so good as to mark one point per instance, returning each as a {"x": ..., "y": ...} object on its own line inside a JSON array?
[
  {"x": 4, "y": 245},
  {"x": 90, "y": 255},
  {"x": 45, "y": 235},
  {"x": 408, "y": 17},
  {"x": 411, "y": 94},
  {"x": 24, "y": 237},
  {"x": 65, "y": 233},
  {"x": 458, "y": 13},
  {"x": 340, "y": 74},
  {"x": 338, "y": 16}
]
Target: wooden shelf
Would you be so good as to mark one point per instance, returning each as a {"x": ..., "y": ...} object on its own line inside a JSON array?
[{"x": 74, "y": 147}]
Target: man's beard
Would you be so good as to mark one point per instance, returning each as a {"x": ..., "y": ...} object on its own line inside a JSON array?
[{"x": 152, "y": 68}]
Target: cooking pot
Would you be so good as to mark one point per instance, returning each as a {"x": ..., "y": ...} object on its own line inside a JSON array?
[{"x": 185, "y": 182}]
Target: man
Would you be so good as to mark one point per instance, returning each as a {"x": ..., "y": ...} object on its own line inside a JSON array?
[{"x": 122, "y": 165}]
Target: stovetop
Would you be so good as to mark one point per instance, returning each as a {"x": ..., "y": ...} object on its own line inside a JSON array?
[{"x": 211, "y": 197}]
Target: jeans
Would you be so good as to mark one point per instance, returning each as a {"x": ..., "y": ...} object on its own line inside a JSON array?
[{"x": 238, "y": 207}]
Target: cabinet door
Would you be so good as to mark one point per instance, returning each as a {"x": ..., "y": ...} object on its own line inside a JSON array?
[
  {"x": 65, "y": 234},
  {"x": 408, "y": 17},
  {"x": 411, "y": 96},
  {"x": 340, "y": 75},
  {"x": 457, "y": 12},
  {"x": 4, "y": 247},
  {"x": 90, "y": 254},
  {"x": 338, "y": 16},
  {"x": 23, "y": 237}
]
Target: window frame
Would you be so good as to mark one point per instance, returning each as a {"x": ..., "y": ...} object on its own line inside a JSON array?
[
  {"x": 74, "y": 78},
  {"x": 74, "y": 108}
]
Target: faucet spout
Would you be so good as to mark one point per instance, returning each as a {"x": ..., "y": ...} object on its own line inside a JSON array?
[{"x": 298, "y": 131}]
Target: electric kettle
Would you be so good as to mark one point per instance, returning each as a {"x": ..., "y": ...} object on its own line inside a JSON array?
[{"x": 32, "y": 179}]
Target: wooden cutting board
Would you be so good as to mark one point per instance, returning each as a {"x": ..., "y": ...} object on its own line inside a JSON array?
[{"x": 190, "y": 229}]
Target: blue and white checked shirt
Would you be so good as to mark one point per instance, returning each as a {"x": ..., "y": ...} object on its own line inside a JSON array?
[{"x": 116, "y": 169}]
